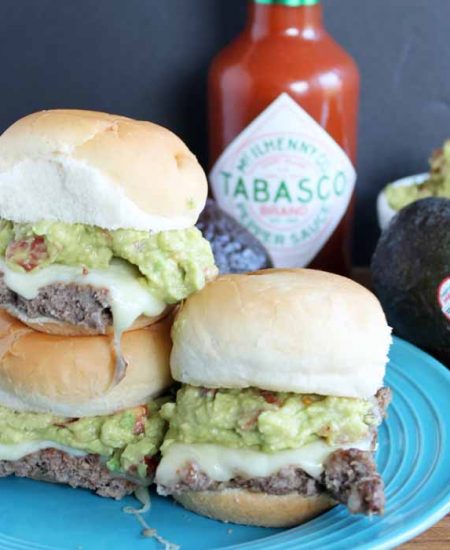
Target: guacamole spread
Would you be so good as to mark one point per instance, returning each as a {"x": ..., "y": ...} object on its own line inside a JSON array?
[
  {"x": 173, "y": 264},
  {"x": 265, "y": 421},
  {"x": 124, "y": 439},
  {"x": 436, "y": 185}
]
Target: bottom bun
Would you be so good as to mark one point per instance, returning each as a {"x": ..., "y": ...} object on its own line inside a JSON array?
[{"x": 261, "y": 509}]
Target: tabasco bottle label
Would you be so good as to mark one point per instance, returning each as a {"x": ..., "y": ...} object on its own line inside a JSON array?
[{"x": 287, "y": 181}]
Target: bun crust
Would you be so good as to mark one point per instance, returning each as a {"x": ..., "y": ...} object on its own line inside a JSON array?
[
  {"x": 261, "y": 509},
  {"x": 71, "y": 376},
  {"x": 282, "y": 330},
  {"x": 67, "y": 329},
  {"x": 98, "y": 169}
]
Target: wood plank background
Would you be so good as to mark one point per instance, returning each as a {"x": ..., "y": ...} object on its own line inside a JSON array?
[{"x": 436, "y": 538}]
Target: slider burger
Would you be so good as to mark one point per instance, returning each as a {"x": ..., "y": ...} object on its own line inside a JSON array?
[
  {"x": 59, "y": 420},
  {"x": 97, "y": 217},
  {"x": 97, "y": 244},
  {"x": 282, "y": 396}
]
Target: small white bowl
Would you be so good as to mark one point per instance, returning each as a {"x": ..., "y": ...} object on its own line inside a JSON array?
[{"x": 384, "y": 211}]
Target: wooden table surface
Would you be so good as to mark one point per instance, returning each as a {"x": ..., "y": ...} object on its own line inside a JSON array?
[{"x": 438, "y": 537}]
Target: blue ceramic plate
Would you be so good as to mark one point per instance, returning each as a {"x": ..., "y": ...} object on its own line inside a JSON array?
[{"x": 414, "y": 445}]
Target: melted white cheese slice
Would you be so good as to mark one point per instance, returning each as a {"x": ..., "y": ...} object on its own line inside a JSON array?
[
  {"x": 129, "y": 298},
  {"x": 19, "y": 450},
  {"x": 225, "y": 463}
]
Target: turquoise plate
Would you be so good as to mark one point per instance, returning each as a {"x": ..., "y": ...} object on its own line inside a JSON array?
[{"x": 413, "y": 458}]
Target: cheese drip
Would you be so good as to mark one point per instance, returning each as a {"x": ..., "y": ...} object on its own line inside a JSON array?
[
  {"x": 129, "y": 299},
  {"x": 225, "y": 463},
  {"x": 19, "y": 450}
]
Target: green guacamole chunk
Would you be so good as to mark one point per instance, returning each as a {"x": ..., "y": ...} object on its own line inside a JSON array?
[
  {"x": 123, "y": 439},
  {"x": 173, "y": 264},
  {"x": 436, "y": 185},
  {"x": 265, "y": 421}
]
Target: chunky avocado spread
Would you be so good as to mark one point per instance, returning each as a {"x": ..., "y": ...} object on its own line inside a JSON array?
[
  {"x": 124, "y": 439},
  {"x": 436, "y": 185},
  {"x": 174, "y": 264},
  {"x": 265, "y": 421}
]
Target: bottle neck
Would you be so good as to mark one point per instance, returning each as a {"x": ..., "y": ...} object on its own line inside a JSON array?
[{"x": 288, "y": 17}]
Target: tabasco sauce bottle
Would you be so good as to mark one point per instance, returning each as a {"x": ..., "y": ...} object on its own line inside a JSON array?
[{"x": 283, "y": 105}]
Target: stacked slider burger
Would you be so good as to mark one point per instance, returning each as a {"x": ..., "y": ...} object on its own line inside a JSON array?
[
  {"x": 281, "y": 398},
  {"x": 97, "y": 246}
]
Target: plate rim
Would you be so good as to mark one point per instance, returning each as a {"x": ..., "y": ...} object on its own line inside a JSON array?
[
  {"x": 435, "y": 514},
  {"x": 272, "y": 542}
]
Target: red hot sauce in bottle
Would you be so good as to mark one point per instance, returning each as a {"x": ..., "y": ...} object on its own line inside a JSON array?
[{"x": 283, "y": 108}]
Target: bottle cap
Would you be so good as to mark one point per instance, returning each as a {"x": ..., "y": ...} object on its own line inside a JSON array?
[{"x": 291, "y": 3}]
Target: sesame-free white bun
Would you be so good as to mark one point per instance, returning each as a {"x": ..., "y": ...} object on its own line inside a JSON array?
[
  {"x": 98, "y": 169},
  {"x": 293, "y": 330},
  {"x": 262, "y": 509},
  {"x": 72, "y": 376}
]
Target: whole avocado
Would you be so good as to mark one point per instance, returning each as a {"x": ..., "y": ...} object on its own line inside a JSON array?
[
  {"x": 411, "y": 275},
  {"x": 235, "y": 249}
]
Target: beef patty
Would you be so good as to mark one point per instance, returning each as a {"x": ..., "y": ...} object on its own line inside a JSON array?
[
  {"x": 55, "y": 466},
  {"x": 67, "y": 303},
  {"x": 349, "y": 476}
]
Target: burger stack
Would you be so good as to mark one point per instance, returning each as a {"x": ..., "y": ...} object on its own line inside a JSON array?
[
  {"x": 97, "y": 246},
  {"x": 281, "y": 398},
  {"x": 280, "y": 372}
]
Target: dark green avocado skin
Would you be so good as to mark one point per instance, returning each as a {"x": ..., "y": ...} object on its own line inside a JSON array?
[
  {"x": 411, "y": 260},
  {"x": 235, "y": 249}
]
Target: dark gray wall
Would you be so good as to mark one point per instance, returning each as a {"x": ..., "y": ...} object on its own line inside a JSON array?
[{"x": 148, "y": 59}]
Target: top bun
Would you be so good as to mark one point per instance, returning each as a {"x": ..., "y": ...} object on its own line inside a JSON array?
[
  {"x": 98, "y": 169},
  {"x": 293, "y": 330}
]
